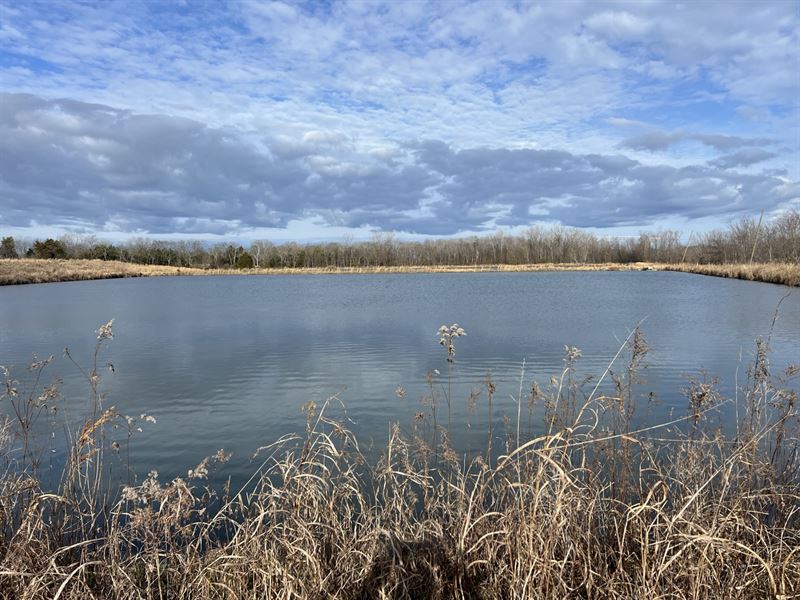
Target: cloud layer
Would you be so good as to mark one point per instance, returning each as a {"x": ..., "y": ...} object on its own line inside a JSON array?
[
  {"x": 427, "y": 118},
  {"x": 102, "y": 168}
]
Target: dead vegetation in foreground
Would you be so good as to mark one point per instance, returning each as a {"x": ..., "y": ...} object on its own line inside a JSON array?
[
  {"x": 33, "y": 270},
  {"x": 592, "y": 508}
]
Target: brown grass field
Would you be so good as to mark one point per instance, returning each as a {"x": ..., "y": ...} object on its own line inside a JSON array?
[
  {"x": 780, "y": 273},
  {"x": 32, "y": 270},
  {"x": 28, "y": 270}
]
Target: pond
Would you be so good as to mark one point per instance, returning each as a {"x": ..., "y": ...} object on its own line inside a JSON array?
[{"x": 229, "y": 362}]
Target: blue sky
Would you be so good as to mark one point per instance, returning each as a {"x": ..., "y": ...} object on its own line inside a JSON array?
[{"x": 320, "y": 120}]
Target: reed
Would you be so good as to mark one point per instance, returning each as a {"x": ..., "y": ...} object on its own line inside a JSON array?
[{"x": 591, "y": 508}]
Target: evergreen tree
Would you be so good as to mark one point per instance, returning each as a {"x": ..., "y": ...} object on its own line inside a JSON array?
[
  {"x": 8, "y": 248},
  {"x": 49, "y": 248},
  {"x": 244, "y": 261}
]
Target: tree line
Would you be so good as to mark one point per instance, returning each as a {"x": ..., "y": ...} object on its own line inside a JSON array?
[{"x": 747, "y": 240}]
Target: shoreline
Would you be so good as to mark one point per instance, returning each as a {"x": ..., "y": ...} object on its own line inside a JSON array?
[{"x": 25, "y": 271}]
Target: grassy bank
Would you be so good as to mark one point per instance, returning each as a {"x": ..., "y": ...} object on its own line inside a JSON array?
[
  {"x": 32, "y": 270},
  {"x": 780, "y": 273},
  {"x": 592, "y": 508},
  {"x": 21, "y": 271}
]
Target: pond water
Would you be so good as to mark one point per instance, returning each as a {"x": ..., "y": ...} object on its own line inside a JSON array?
[{"x": 229, "y": 362}]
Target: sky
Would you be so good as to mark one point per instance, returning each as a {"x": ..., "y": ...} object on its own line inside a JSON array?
[{"x": 330, "y": 120}]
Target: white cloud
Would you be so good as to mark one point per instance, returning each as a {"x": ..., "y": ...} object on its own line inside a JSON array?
[
  {"x": 619, "y": 25},
  {"x": 327, "y": 90},
  {"x": 79, "y": 165}
]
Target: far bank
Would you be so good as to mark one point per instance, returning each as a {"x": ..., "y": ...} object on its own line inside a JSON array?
[{"x": 30, "y": 270}]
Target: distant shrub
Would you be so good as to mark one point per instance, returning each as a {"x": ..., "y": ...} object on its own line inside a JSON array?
[{"x": 244, "y": 261}]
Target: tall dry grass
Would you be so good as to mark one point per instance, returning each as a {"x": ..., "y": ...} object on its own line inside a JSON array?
[
  {"x": 32, "y": 270},
  {"x": 780, "y": 273},
  {"x": 592, "y": 508},
  {"x": 35, "y": 270}
]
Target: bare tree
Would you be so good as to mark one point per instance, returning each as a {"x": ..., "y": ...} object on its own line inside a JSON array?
[{"x": 260, "y": 251}]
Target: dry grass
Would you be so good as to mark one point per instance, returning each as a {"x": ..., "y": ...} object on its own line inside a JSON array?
[
  {"x": 590, "y": 509},
  {"x": 465, "y": 268},
  {"x": 30, "y": 270},
  {"x": 781, "y": 273}
]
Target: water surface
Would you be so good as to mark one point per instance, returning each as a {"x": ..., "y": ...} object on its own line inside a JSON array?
[{"x": 228, "y": 362}]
